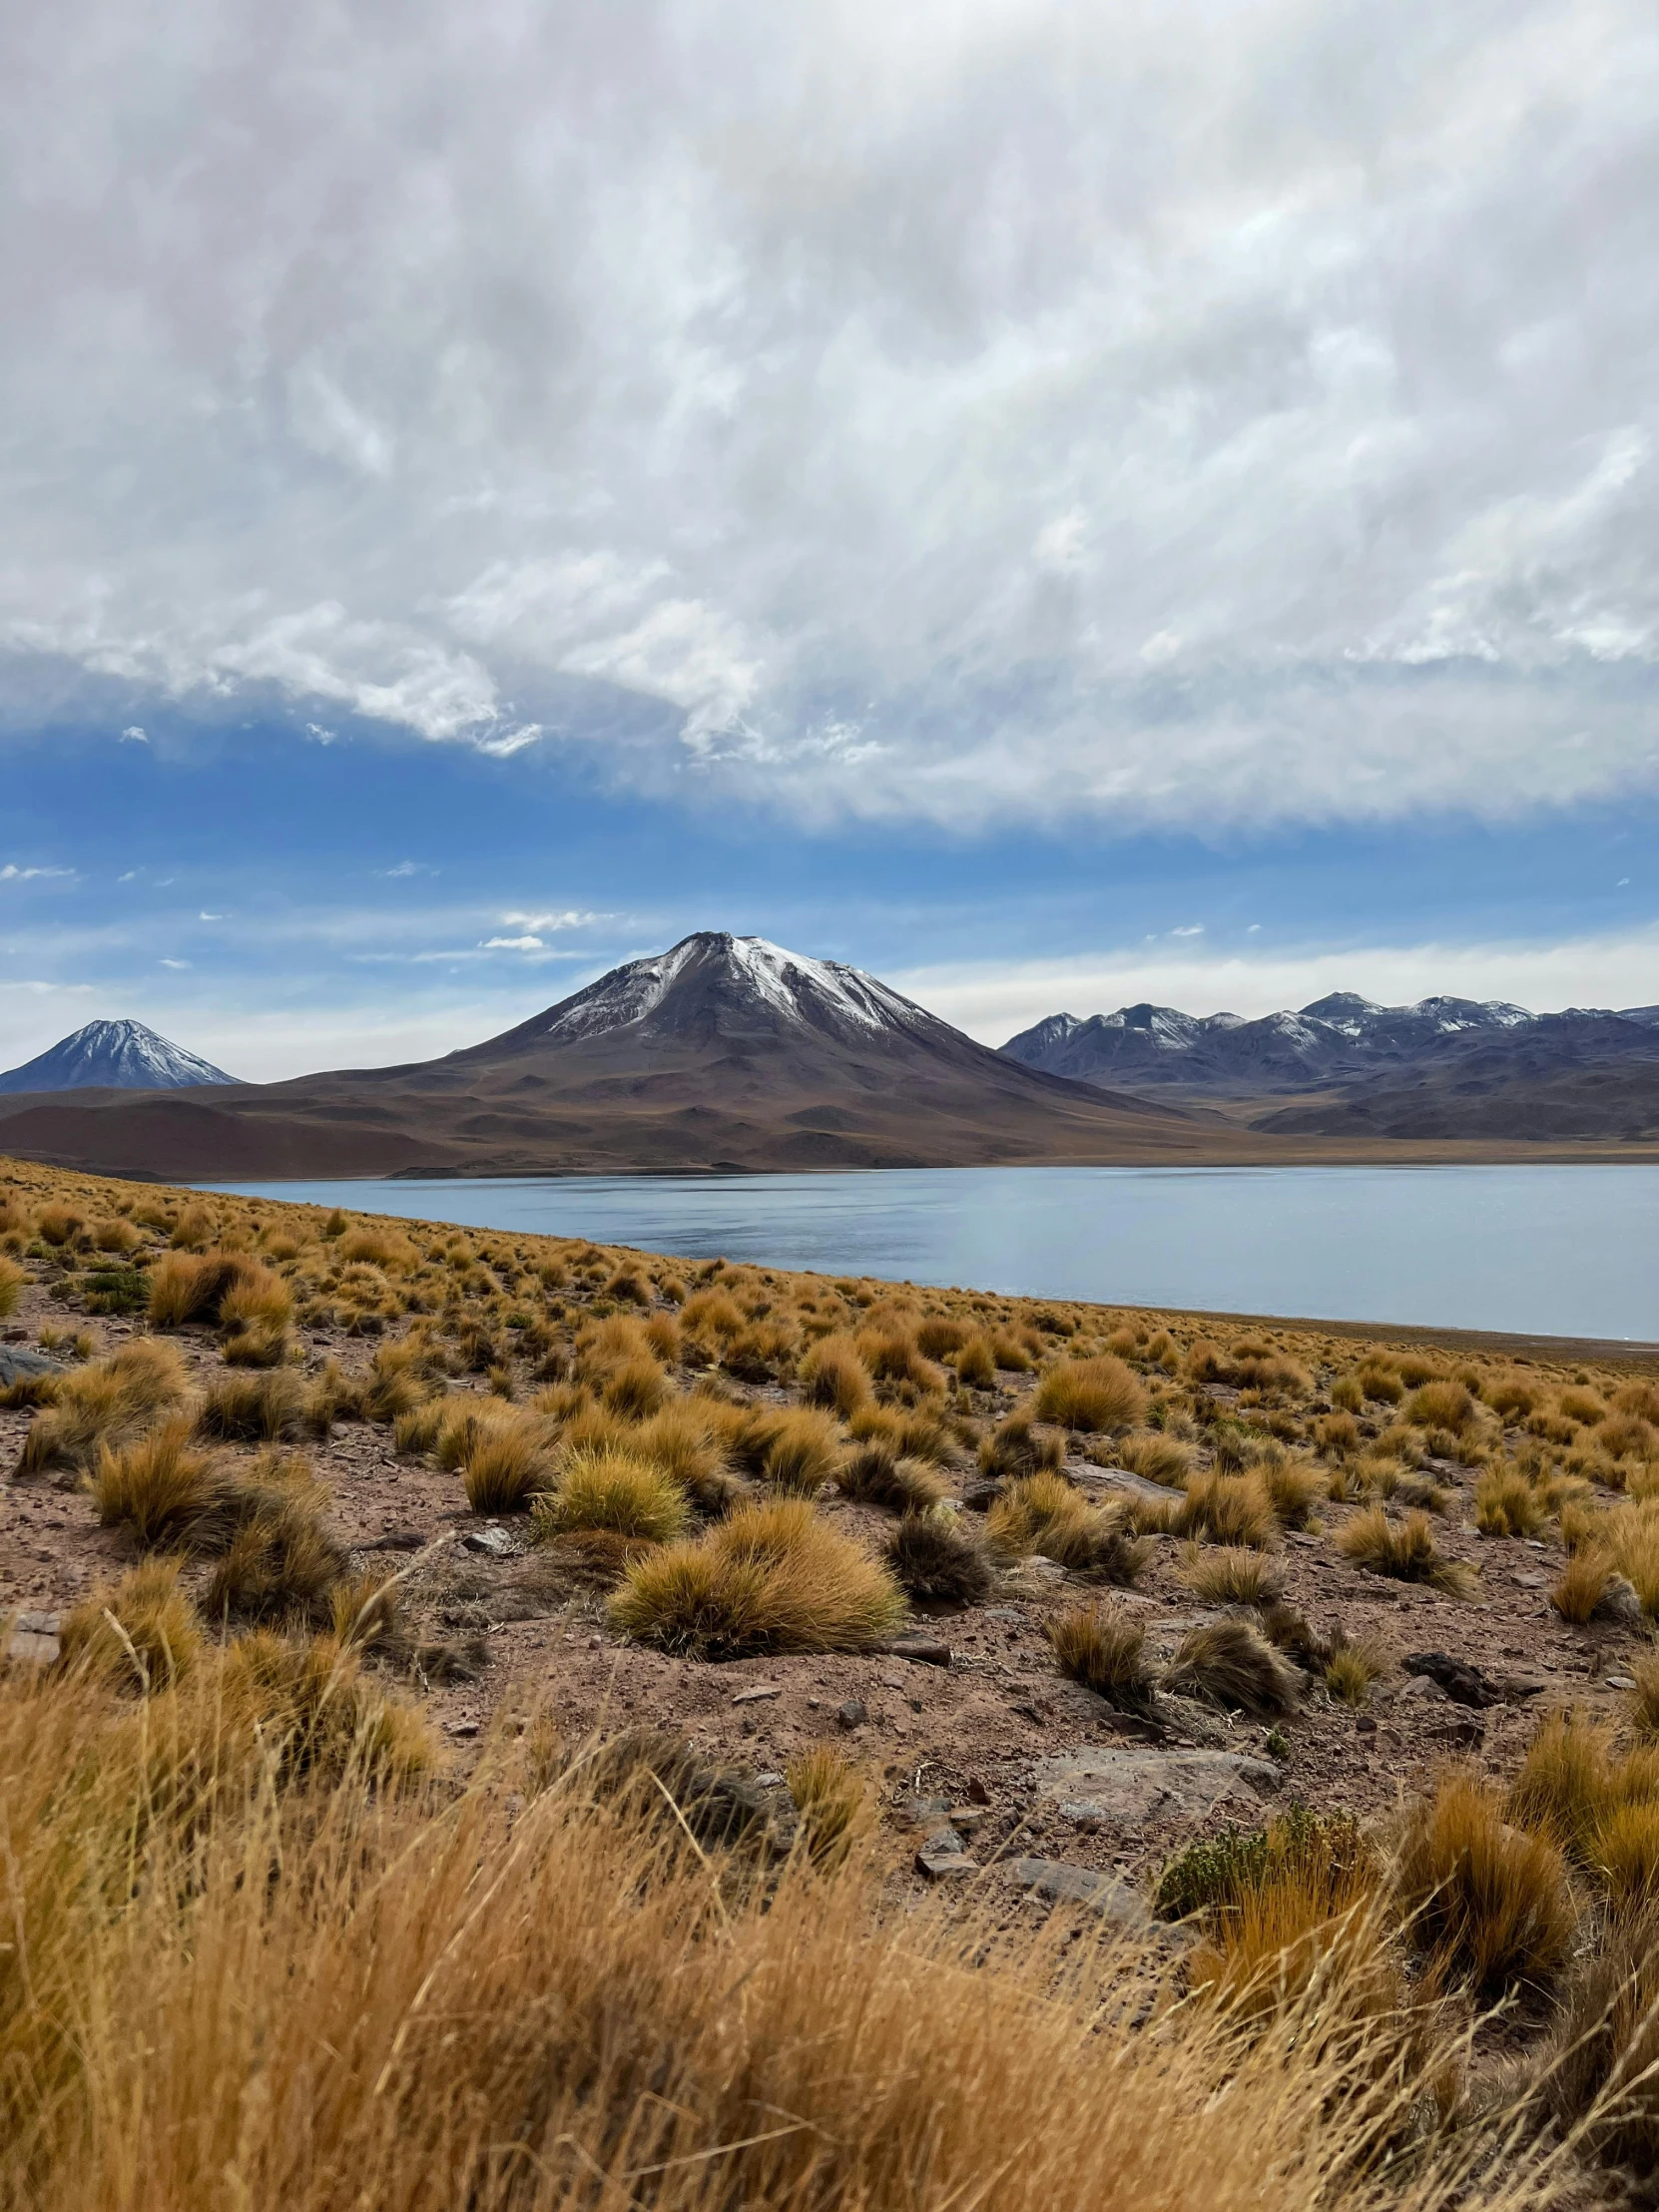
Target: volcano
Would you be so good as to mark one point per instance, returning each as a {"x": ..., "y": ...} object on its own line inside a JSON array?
[{"x": 723, "y": 1053}]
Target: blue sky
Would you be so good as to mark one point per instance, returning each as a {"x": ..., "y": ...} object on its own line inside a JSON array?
[
  {"x": 280, "y": 903},
  {"x": 1054, "y": 500}
]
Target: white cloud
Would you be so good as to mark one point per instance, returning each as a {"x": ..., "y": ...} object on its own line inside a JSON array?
[
  {"x": 1206, "y": 413},
  {"x": 512, "y": 944},
  {"x": 993, "y": 1000},
  {"x": 133, "y": 734},
  {"x": 12, "y": 873},
  {"x": 179, "y": 964},
  {"x": 570, "y": 918}
]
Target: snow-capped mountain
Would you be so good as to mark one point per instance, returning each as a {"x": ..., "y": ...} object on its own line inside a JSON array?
[
  {"x": 1339, "y": 1039},
  {"x": 114, "y": 1055},
  {"x": 744, "y": 990}
]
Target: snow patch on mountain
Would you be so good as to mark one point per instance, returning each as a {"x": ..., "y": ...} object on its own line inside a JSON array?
[{"x": 114, "y": 1055}]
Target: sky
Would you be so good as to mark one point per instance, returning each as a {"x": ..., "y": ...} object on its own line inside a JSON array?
[{"x": 1056, "y": 504}]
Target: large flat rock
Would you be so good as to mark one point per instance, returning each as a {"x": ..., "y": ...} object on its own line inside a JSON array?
[
  {"x": 1146, "y": 1787},
  {"x": 19, "y": 1365}
]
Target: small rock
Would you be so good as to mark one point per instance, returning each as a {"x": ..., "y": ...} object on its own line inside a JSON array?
[
  {"x": 1530, "y": 1581},
  {"x": 979, "y": 1498},
  {"x": 399, "y": 1539},
  {"x": 1084, "y": 1811},
  {"x": 926, "y": 1651},
  {"x": 852, "y": 1714},
  {"x": 462, "y": 1728},
  {"x": 491, "y": 1542},
  {"x": 767, "y": 1781},
  {"x": 1366, "y": 1725},
  {"x": 754, "y": 1696},
  {"x": 25, "y": 1367},
  {"x": 1620, "y": 1681},
  {"x": 1061, "y": 1884},
  {"x": 978, "y": 1794},
  {"x": 966, "y": 1818},
  {"x": 1462, "y": 1683},
  {"x": 1005, "y": 1613},
  {"x": 34, "y": 1640},
  {"x": 943, "y": 1866}
]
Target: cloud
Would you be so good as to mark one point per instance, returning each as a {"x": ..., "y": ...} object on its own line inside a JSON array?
[
  {"x": 569, "y": 918},
  {"x": 1181, "y": 416},
  {"x": 993, "y": 1000},
  {"x": 408, "y": 867},
  {"x": 181, "y": 965},
  {"x": 512, "y": 944},
  {"x": 133, "y": 734},
  {"x": 12, "y": 873}
]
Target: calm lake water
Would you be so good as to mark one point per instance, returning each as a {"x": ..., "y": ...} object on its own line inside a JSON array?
[{"x": 1556, "y": 1250}]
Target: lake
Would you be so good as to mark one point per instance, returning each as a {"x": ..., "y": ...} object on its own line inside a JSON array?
[{"x": 1565, "y": 1251}]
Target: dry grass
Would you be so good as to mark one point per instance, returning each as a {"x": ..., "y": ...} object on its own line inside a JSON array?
[
  {"x": 1405, "y": 1552},
  {"x": 11, "y": 1279},
  {"x": 874, "y": 1474},
  {"x": 301, "y": 2047},
  {"x": 1488, "y": 1904},
  {"x": 282, "y": 1563},
  {"x": 1601, "y": 2079},
  {"x": 770, "y": 1578},
  {"x": 138, "y": 1634},
  {"x": 1019, "y": 1447},
  {"x": 937, "y": 1561},
  {"x": 1632, "y": 1535},
  {"x": 507, "y": 1462},
  {"x": 834, "y": 1801},
  {"x": 1584, "y": 1583},
  {"x": 1353, "y": 1665},
  {"x": 157, "y": 1487},
  {"x": 789, "y": 1447},
  {"x": 1045, "y": 1513},
  {"x": 1229, "y": 1574},
  {"x": 1506, "y": 1504},
  {"x": 272, "y": 1407},
  {"x": 612, "y": 1488},
  {"x": 1091, "y": 1394},
  {"x": 1228, "y": 1509},
  {"x": 1156, "y": 1458},
  {"x": 1103, "y": 1646},
  {"x": 107, "y": 1404},
  {"x": 1230, "y": 1663},
  {"x": 833, "y": 1375},
  {"x": 1642, "y": 1703}
]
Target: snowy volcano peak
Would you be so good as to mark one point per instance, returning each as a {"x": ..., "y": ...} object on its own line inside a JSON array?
[
  {"x": 114, "y": 1055},
  {"x": 738, "y": 987}
]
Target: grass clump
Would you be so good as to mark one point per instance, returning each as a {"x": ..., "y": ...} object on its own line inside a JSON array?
[
  {"x": 1045, "y": 1513},
  {"x": 157, "y": 1487},
  {"x": 833, "y": 1376},
  {"x": 268, "y": 1408},
  {"x": 1507, "y": 1504},
  {"x": 832, "y": 1800},
  {"x": 1230, "y": 1663},
  {"x": 506, "y": 1465},
  {"x": 1019, "y": 1447},
  {"x": 1099, "y": 1394},
  {"x": 1486, "y": 1902},
  {"x": 771, "y": 1577},
  {"x": 140, "y": 1635},
  {"x": 282, "y": 1563},
  {"x": 610, "y": 1488},
  {"x": 1228, "y": 1509},
  {"x": 1103, "y": 1647},
  {"x": 11, "y": 1279},
  {"x": 1353, "y": 1664},
  {"x": 789, "y": 1447},
  {"x": 937, "y": 1561},
  {"x": 1405, "y": 1552},
  {"x": 108, "y": 1402},
  {"x": 874, "y": 1474},
  {"x": 1230, "y": 1574}
]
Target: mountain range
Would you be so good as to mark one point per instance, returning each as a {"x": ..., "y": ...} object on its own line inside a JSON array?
[
  {"x": 722, "y": 1053},
  {"x": 1443, "y": 1069},
  {"x": 113, "y": 1055}
]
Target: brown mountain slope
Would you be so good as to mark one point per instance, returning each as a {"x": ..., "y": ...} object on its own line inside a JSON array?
[{"x": 721, "y": 1054}]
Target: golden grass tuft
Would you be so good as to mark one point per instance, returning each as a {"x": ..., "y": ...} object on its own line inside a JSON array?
[
  {"x": 1019, "y": 1447},
  {"x": 1228, "y": 1509},
  {"x": 107, "y": 1404},
  {"x": 874, "y": 1474},
  {"x": 624, "y": 1492},
  {"x": 1230, "y": 1663},
  {"x": 1583, "y": 1585},
  {"x": 833, "y": 1801},
  {"x": 771, "y": 1577},
  {"x": 1507, "y": 1504},
  {"x": 138, "y": 1634},
  {"x": 11, "y": 1279},
  {"x": 1486, "y": 1902},
  {"x": 789, "y": 1447},
  {"x": 835, "y": 1377},
  {"x": 1230, "y": 1574},
  {"x": 1353, "y": 1665},
  {"x": 1045, "y": 1513},
  {"x": 1098, "y": 1394},
  {"x": 1103, "y": 1646},
  {"x": 272, "y": 1406},
  {"x": 158, "y": 1487},
  {"x": 508, "y": 1462},
  {"x": 1404, "y": 1550}
]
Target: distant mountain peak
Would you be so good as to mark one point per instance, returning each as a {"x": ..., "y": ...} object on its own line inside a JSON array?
[
  {"x": 114, "y": 1055},
  {"x": 743, "y": 988}
]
